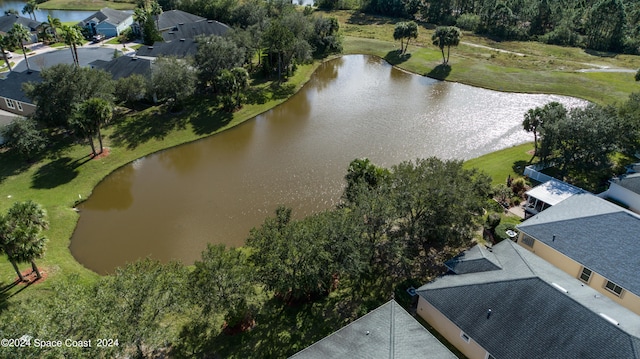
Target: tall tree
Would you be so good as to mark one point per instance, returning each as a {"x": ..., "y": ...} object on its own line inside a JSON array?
[
  {"x": 606, "y": 25},
  {"x": 19, "y": 35},
  {"x": 172, "y": 81},
  {"x": 20, "y": 234},
  {"x": 279, "y": 41},
  {"x": 63, "y": 86},
  {"x": 89, "y": 118},
  {"x": 5, "y": 42},
  {"x": 23, "y": 136},
  {"x": 446, "y": 36},
  {"x": 30, "y": 8},
  {"x": 216, "y": 53},
  {"x": 541, "y": 121},
  {"x": 405, "y": 30},
  {"x": 223, "y": 283},
  {"x": 52, "y": 25},
  {"x": 73, "y": 37}
]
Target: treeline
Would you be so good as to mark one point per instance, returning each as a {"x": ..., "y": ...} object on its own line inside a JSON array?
[
  {"x": 605, "y": 25},
  {"x": 393, "y": 225},
  {"x": 583, "y": 143}
]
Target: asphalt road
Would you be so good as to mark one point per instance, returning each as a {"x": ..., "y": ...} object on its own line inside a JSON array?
[{"x": 48, "y": 59}]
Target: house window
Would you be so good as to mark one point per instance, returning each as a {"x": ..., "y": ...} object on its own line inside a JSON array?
[
  {"x": 464, "y": 337},
  {"x": 613, "y": 288},
  {"x": 528, "y": 241},
  {"x": 19, "y": 104},
  {"x": 585, "y": 275},
  {"x": 10, "y": 103}
]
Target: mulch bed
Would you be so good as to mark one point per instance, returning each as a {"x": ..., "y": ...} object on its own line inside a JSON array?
[
  {"x": 105, "y": 152},
  {"x": 30, "y": 275}
]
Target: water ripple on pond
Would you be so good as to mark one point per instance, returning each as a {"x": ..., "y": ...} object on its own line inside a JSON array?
[{"x": 171, "y": 204}]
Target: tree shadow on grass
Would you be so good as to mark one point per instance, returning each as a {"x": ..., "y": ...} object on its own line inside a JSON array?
[
  {"x": 440, "y": 72},
  {"x": 206, "y": 120},
  {"x": 154, "y": 123},
  {"x": 57, "y": 172},
  {"x": 11, "y": 164},
  {"x": 282, "y": 90},
  {"x": 4, "y": 295},
  {"x": 600, "y": 53},
  {"x": 396, "y": 57}
]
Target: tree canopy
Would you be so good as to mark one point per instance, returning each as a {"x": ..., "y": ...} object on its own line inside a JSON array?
[{"x": 446, "y": 36}]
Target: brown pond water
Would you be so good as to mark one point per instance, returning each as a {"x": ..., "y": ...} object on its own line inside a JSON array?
[{"x": 170, "y": 204}]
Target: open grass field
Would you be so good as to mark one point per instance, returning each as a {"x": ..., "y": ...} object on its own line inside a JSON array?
[
  {"x": 93, "y": 5},
  {"x": 530, "y": 67}
]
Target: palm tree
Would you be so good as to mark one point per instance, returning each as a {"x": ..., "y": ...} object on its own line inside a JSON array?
[
  {"x": 30, "y": 7},
  {"x": 91, "y": 115},
  {"x": 73, "y": 37},
  {"x": 20, "y": 237},
  {"x": 446, "y": 36},
  {"x": 4, "y": 42},
  {"x": 19, "y": 34},
  {"x": 52, "y": 23},
  {"x": 140, "y": 16}
]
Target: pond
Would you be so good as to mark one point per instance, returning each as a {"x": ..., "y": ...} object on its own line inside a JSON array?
[
  {"x": 41, "y": 15},
  {"x": 171, "y": 204}
]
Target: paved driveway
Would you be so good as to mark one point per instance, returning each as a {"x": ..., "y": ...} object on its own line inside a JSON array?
[{"x": 63, "y": 56}]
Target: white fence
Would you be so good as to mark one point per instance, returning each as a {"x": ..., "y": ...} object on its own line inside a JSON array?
[{"x": 531, "y": 171}]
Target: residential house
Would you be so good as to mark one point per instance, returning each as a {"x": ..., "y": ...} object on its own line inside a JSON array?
[
  {"x": 386, "y": 332},
  {"x": 107, "y": 22},
  {"x": 7, "y": 21},
  {"x": 172, "y": 18},
  {"x": 12, "y": 98},
  {"x": 592, "y": 240},
  {"x": 625, "y": 189},
  {"x": 194, "y": 29},
  {"x": 181, "y": 48},
  {"x": 508, "y": 303},
  {"x": 548, "y": 194},
  {"x": 124, "y": 66}
]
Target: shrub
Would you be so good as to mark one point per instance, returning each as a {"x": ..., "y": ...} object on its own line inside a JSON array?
[
  {"x": 469, "y": 22},
  {"x": 518, "y": 186},
  {"x": 493, "y": 220}
]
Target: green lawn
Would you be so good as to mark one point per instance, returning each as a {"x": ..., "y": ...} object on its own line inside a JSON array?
[
  {"x": 93, "y": 5},
  {"x": 504, "y": 163}
]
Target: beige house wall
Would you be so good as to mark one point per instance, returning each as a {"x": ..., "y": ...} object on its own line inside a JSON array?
[
  {"x": 628, "y": 300},
  {"x": 449, "y": 330}
]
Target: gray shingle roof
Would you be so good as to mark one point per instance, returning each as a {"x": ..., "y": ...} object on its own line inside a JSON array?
[
  {"x": 7, "y": 21},
  {"x": 11, "y": 86},
  {"x": 124, "y": 66},
  {"x": 108, "y": 15},
  {"x": 171, "y": 18},
  {"x": 530, "y": 318},
  {"x": 630, "y": 182},
  {"x": 191, "y": 30},
  {"x": 476, "y": 259},
  {"x": 180, "y": 49},
  {"x": 388, "y": 326},
  {"x": 598, "y": 234}
]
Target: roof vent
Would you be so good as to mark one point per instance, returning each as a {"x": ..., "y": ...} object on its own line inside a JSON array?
[
  {"x": 554, "y": 238},
  {"x": 171, "y": 32},
  {"x": 181, "y": 23},
  {"x": 609, "y": 319},
  {"x": 558, "y": 287},
  {"x": 210, "y": 21},
  {"x": 182, "y": 39},
  {"x": 150, "y": 47},
  {"x": 134, "y": 58}
]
